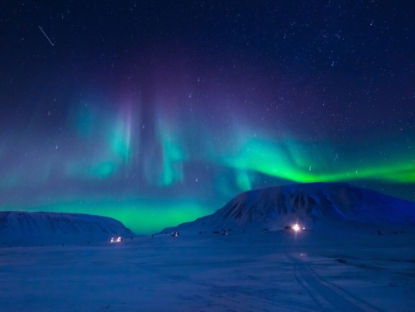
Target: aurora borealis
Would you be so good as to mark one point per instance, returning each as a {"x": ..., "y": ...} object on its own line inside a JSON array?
[{"x": 164, "y": 115}]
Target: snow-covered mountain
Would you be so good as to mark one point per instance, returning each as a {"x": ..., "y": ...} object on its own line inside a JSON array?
[
  {"x": 309, "y": 204},
  {"x": 47, "y": 228}
]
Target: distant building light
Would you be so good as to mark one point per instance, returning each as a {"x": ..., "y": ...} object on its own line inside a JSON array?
[
  {"x": 296, "y": 227},
  {"x": 116, "y": 240}
]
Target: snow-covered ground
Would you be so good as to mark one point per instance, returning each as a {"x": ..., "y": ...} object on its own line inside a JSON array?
[
  {"x": 348, "y": 270},
  {"x": 357, "y": 253}
]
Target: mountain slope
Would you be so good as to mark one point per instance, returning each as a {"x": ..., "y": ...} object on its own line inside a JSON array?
[
  {"x": 310, "y": 204},
  {"x": 47, "y": 228}
]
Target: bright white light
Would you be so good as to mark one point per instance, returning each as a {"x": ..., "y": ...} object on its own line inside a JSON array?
[
  {"x": 296, "y": 227},
  {"x": 115, "y": 240}
]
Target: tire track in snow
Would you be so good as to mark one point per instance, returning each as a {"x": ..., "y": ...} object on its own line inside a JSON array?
[{"x": 326, "y": 295}]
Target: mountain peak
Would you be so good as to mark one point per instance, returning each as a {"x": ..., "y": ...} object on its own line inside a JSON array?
[{"x": 310, "y": 204}]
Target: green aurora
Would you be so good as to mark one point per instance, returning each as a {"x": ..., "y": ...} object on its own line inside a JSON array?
[{"x": 172, "y": 169}]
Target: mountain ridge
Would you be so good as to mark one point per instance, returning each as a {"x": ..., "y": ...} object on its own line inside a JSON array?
[
  {"x": 22, "y": 228},
  {"x": 310, "y": 204}
]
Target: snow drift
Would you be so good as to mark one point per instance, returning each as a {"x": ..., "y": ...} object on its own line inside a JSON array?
[
  {"x": 310, "y": 204},
  {"x": 48, "y": 228}
]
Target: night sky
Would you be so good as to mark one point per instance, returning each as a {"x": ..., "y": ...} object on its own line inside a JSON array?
[{"x": 158, "y": 112}]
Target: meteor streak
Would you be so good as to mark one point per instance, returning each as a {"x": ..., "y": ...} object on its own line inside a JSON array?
[{"x": 46, "y": 36}]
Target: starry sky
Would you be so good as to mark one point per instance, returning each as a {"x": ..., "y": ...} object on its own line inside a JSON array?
[{"x": 158, "y": 112}]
